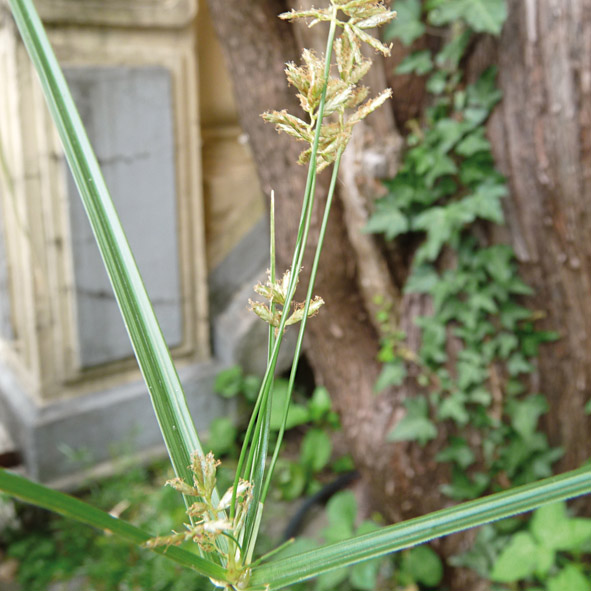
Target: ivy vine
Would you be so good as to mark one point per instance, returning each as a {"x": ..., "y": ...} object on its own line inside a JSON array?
[{"x": 447, "y": 183}]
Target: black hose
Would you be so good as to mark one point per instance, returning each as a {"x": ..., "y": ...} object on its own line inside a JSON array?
[{"x": 322, "y": 496}]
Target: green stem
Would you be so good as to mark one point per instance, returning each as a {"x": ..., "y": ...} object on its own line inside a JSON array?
[
  {"x": 300, "y": 341},
  {"x": 296, "y": 265}
]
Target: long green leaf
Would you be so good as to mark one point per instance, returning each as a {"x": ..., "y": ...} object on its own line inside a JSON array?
[
  {"x": 150, "y": 348},
  {"x": 74, "y": 508},
  {"x": 287, "y": 571}
]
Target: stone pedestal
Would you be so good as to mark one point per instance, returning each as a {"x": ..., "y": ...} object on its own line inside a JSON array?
[{"x": 68, "y": 378}]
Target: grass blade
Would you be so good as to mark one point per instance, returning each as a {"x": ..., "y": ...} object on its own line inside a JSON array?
[
  {"x": 150, "y": 348},
  {"x": 68, "y": 506},
  {"x": 287, "y": 571}
]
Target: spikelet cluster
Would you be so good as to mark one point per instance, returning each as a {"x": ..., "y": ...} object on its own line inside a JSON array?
[
  {"x": 346, "y": 102},
  {"x": 276, "y": 294},
  {"x": 208, "y": 520}
]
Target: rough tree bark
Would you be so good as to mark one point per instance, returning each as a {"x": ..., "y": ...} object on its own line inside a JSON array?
[{"x": 542, "y": 138}]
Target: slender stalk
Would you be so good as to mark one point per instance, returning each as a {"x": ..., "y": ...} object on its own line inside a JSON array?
[
  {"x": 301, "y": 241},
  {"x": 300, "y": 340}
]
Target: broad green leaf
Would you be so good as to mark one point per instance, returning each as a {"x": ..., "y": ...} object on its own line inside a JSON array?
[
  {"x": 316, "y": 450},
  {"x": 291, "y": 479},
  {"x": 149, "y": 346},
  {"x": 228, "y": 383},
  {"x": 484, "y": 16},
  {"x": 485, "y": 202},
  {"x": 517, "y": 364},
  {"x": 280, "y": 572},
  {"x": 74, "y": 508},
  {"x": 407, "y": 25},
  {"x": 415, "y": 425},
  {"x": 341, "y": 511},
  {"x": 424, "y": 566},
  {"x": 320, "y": 404},
  {"x": 570, "y": 578},
  {"x": 297, "y": 413},
  {"x": 222, "y": 436},
  {"x": 419, "y": 63},
  {"x": 553, "y": 528},
  {"x": 517, "y": 561}
]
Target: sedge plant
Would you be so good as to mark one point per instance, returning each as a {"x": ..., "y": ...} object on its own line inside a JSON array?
[{"x": 224, "y": 527}]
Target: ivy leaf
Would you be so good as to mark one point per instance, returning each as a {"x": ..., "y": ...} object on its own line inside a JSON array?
[
  {"x": 459, "y": 452},
  {"x": 388, "y": 220},
  {"x": 498, "y": 262},
  {"x": 526, "y": 413},
  {"x": 392, "y": 374},
  {"x": 506, "y": 343},
  {"x": 453, "y": 407},
  {"x": 484, "y": 16},
  {"x": 422, "y": 279},
  {"x": 415, "y": 425},
  {"x": 448, "y": 132},
  {"x": 464, "y": 487},
  {"x": 437, "y": 82},
  {"x": 517, "y": 364},
  {"x": 450, "y": 55},
  {"x": 517, "y": 560},
  {"x": 484, "y": 93},
  {"x": 473, "y": 143},
  {"x": 419, "y": 63},
  {"x": 407, "y": 25},
  {"x": 470, "y": 373},
  {"x": 485, "y": 203},
  {"x": 439, "y": 165}
]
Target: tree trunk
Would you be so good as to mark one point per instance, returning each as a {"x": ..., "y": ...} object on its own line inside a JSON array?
[{"x": 542, "y": 140}]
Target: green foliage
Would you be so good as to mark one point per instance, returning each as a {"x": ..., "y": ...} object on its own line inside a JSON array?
[
  {"x": 312, "y": 417},
  {"x": 450, "y": 184},
  {"x": 407, "y": 26},
  {"x": 416, "y": 425},
  {"x": 58, "y": 550},
  {"x": 423, "y": 566},
  {"x": 479, "y": 343},
  {"x": 483, "y": 16},
  {"x": 549, "y": 551}
]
